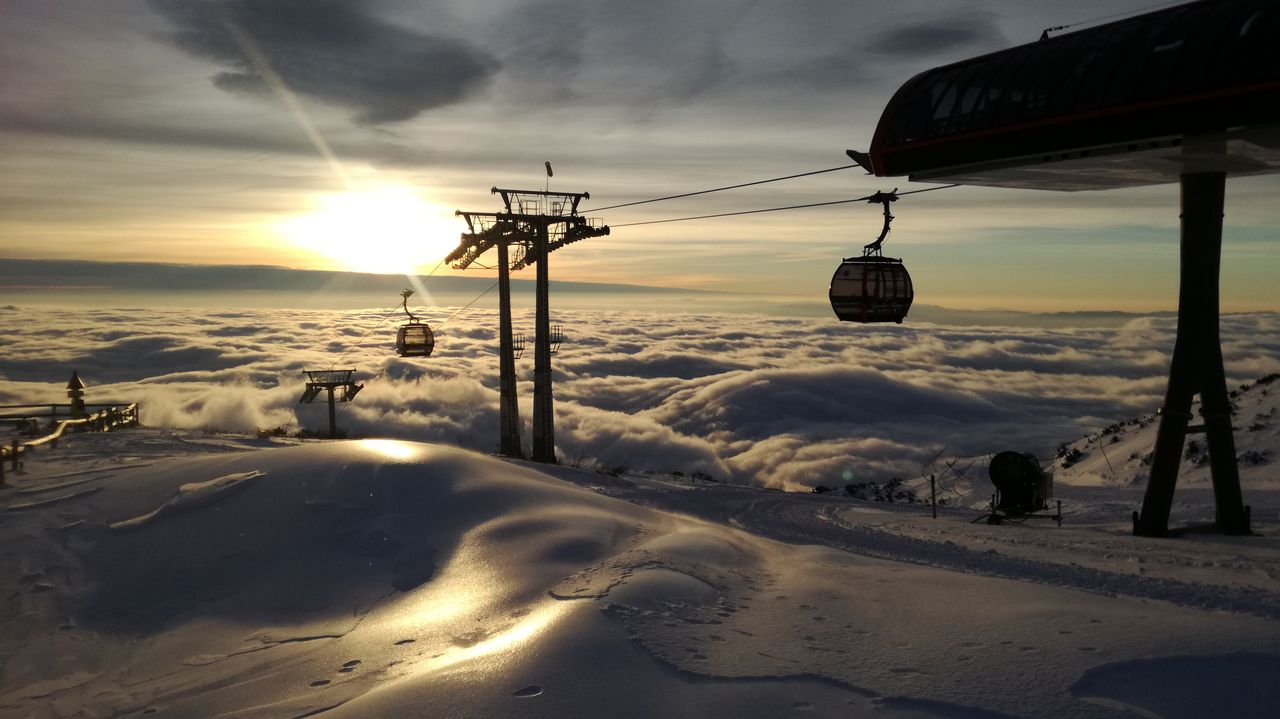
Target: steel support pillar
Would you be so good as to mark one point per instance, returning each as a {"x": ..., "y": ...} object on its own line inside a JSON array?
[
  {"x": 544, "y": 441},
  {"x": 1196, "y": 368},
  {"x": 508, "y": 409},
  {"x": 333, "y": 417}
]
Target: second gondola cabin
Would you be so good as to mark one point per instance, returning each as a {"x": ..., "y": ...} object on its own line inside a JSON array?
[
  {"x": 873, "y": 288},
  {"x": 414, "y": 338}
]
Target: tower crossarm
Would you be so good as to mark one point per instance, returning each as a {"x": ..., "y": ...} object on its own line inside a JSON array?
[
  {"x": 556, "y": 203},
  {"x": 573, "y": 232},
  {"x": 487, "y": 229}
]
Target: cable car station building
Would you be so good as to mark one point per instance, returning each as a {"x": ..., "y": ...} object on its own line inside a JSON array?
[{"x": 1190, "y": 94}]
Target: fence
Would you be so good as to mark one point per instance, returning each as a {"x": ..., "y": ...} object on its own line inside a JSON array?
[{"x": 28, "y": 416}]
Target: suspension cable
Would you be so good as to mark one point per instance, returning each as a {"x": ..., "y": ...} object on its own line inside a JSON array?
[
  {"x": 472, "y": 302},
  {"x": 720, "y": 189},
  {"x": 774, "y": 209},
  {"x": 349, "y": 347},
  {"x": 344, "y": 406},
  {"x": 382, "y": 321}
]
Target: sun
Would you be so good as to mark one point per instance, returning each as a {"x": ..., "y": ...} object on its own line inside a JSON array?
[{"x": 387, "y": 231}]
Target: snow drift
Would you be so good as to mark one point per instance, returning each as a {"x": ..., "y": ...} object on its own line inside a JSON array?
[{"x": 393, "y": 579}]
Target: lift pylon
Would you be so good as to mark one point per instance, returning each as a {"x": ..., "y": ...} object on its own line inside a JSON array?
[
  {"x": 538, "y": 222},
  {"x": 486, "y": 232},
  {"x": 331, "y": 380}
]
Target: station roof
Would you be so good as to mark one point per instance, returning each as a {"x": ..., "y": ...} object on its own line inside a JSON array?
[{"x": 1135, "y": 102}]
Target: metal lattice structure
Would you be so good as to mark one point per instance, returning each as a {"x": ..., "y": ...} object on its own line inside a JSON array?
[
  {"x": 340, "y": 386},
  {"x": 532, "y": 224}
]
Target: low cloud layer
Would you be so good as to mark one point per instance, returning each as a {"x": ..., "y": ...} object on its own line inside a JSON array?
[
  {"x": 774, "y": 401},
  {"x": 335, "y": 51}
]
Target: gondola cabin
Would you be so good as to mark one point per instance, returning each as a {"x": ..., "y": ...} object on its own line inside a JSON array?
[
  {"x": 415, "y": 340},
  {"x": 871, "y": 289}
]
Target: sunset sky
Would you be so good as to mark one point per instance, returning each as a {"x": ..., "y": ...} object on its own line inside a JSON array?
[{"x": 336, "y": 134}]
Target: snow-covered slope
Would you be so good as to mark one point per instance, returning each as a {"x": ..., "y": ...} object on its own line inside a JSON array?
[
  {"x": 394, "y": 579},
  {"x": 1121, "y": 453}
]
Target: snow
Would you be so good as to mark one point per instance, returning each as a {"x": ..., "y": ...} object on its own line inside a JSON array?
[
  {"x": 188, "y": 496},
  {"x": 1120, "y": 453},
  {"x": 383, "y": 578}
]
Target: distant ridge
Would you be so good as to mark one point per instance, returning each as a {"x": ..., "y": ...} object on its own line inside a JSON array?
[
  {"x": 48, "y": 275},
  {"x": 149, "y": 283}
]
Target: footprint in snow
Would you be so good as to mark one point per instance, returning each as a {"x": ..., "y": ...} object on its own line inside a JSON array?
[{"x": 532, "y": 690}]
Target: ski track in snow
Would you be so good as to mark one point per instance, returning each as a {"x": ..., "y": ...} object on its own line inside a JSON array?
[{"x": 791, "y": 518}]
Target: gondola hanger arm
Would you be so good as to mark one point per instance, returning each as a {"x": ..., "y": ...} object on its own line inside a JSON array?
[
  {"x": 885, "y": 199},
  {"x": 404, "y": 301}
]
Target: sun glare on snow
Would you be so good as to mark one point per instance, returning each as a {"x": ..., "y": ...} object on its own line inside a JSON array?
[
  {"x": 388, "y": 230},
  {"x": 389, "y": 448}
]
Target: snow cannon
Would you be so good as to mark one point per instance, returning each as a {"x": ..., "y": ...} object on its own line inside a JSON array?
[{"x": 1022, "y": 485}]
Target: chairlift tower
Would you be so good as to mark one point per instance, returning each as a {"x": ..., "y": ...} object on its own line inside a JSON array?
[
  {"x": 537, "y": 222},
  {"x": 330, "y": 380}
]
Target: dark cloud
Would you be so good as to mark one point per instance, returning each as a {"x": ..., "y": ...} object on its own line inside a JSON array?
[
  {"x": 544, "y": 52},
  {"x": 335, "y": 51},
  {"x": 942, "y": 35}
]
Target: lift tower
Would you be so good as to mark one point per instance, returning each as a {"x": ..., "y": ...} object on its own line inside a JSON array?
[
  {"x": 485, "y": 231},
  {"x": 537, "y": 222}
]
